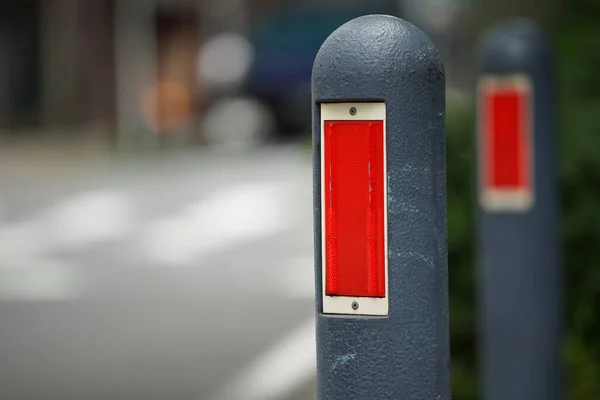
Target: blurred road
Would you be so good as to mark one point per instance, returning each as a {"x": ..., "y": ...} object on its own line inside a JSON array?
[{"x": 183, "y": 276}]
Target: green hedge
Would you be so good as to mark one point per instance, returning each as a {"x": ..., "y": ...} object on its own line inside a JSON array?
[{"x": 577, "y": 39}]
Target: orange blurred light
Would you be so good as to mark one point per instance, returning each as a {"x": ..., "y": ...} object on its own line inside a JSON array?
[{"x": 166, "y": 107}]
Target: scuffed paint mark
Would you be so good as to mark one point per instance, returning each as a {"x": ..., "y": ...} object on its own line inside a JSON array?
[
  {"x": 342, "y": 360},
  {"x": 406, "y": 207},
  {"x": 394, "y": 205},
  {"x": 409, "y": 169},
  {"x": 413, "y": 255}
]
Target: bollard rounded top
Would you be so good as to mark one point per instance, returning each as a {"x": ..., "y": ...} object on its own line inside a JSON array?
[
  {"x": 368, "y": 55},
  {"x": 515, "y": 44}
]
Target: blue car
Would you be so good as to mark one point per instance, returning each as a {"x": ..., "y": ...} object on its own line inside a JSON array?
[{"x": 286, "y": 41}]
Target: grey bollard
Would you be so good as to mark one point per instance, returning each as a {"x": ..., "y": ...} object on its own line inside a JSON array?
[
  {"x": 519, "y": 246},
  {"x": 380, "y": 214}
]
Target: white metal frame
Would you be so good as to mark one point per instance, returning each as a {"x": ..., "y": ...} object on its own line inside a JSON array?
[
  {"x": 513, "y": 200},
  {"x": 343, "y": 304}
]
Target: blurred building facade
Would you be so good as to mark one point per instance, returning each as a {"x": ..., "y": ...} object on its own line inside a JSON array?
[
  {"x": 98, "y": 63},
  {"x": 56, "y": 62},
  {"x": 140, "y": 71},
  {"x": 131, "y": 69}
]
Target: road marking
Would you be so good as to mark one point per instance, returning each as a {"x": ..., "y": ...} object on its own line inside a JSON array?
[
  {"x": 228, "y": 216},
  {"x": 90, "y": 218},
  {"x": 282, "y": 369},
  {"x": 18, "y": 240},
  {"x": 297, "y": 278},
  {"x": 39, "y": 280}
]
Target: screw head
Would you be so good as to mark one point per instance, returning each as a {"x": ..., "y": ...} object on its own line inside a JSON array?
[
  {"x": 352, "y": 110},
  {"x": 355, "y": 305}
]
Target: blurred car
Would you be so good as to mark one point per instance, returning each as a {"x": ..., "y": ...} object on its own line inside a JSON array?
[{"x": 286, "y": 38}]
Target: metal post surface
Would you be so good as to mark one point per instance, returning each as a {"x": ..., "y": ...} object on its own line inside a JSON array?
[
  {"x": 405, "y": 353},
  {"x": 519, "y": 246}
]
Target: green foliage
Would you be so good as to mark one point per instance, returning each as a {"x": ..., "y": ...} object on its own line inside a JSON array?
[
  {"x": 577, "y": 40},
  {"x": 578, "y": 46},
  {"x": 461, "y": 260}
]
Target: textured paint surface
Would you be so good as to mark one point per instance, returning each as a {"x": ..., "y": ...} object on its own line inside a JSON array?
[
  {"x": 405, "y": 355},
  {"x": 519, "y": 252}
]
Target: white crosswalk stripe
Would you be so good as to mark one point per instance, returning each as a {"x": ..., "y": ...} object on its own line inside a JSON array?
[
  {"x": 90, "y": 218},
  {"x": 40, "y": 279},
  {"x": 160, "y": 282},
  {"x": 113, "y": 220},
  {"x": 231, "y": 215}
]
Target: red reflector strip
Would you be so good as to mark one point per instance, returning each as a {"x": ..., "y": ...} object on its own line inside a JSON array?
[
  {"x": 354, "y": 190},
  {"x": 507, "y": 153}
]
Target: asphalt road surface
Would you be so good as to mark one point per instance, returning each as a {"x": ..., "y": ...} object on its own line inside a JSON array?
[{"x": 185, "y": 276}]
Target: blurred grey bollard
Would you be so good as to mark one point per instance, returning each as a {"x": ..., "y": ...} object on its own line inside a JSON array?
[
  {"x": 519, "y": 246},
  {"x": 378, "y": 90}
]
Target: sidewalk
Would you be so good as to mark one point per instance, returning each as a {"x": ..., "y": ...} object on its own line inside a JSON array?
[{"x": 49, "y": 158}]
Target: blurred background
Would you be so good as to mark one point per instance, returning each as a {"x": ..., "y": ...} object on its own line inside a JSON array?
[{"x": 156, "y": 192}]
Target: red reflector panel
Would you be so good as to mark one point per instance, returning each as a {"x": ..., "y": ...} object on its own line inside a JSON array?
[
  {"x": 507, "y": 144},
  {"x": 354, "y": 208}
]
